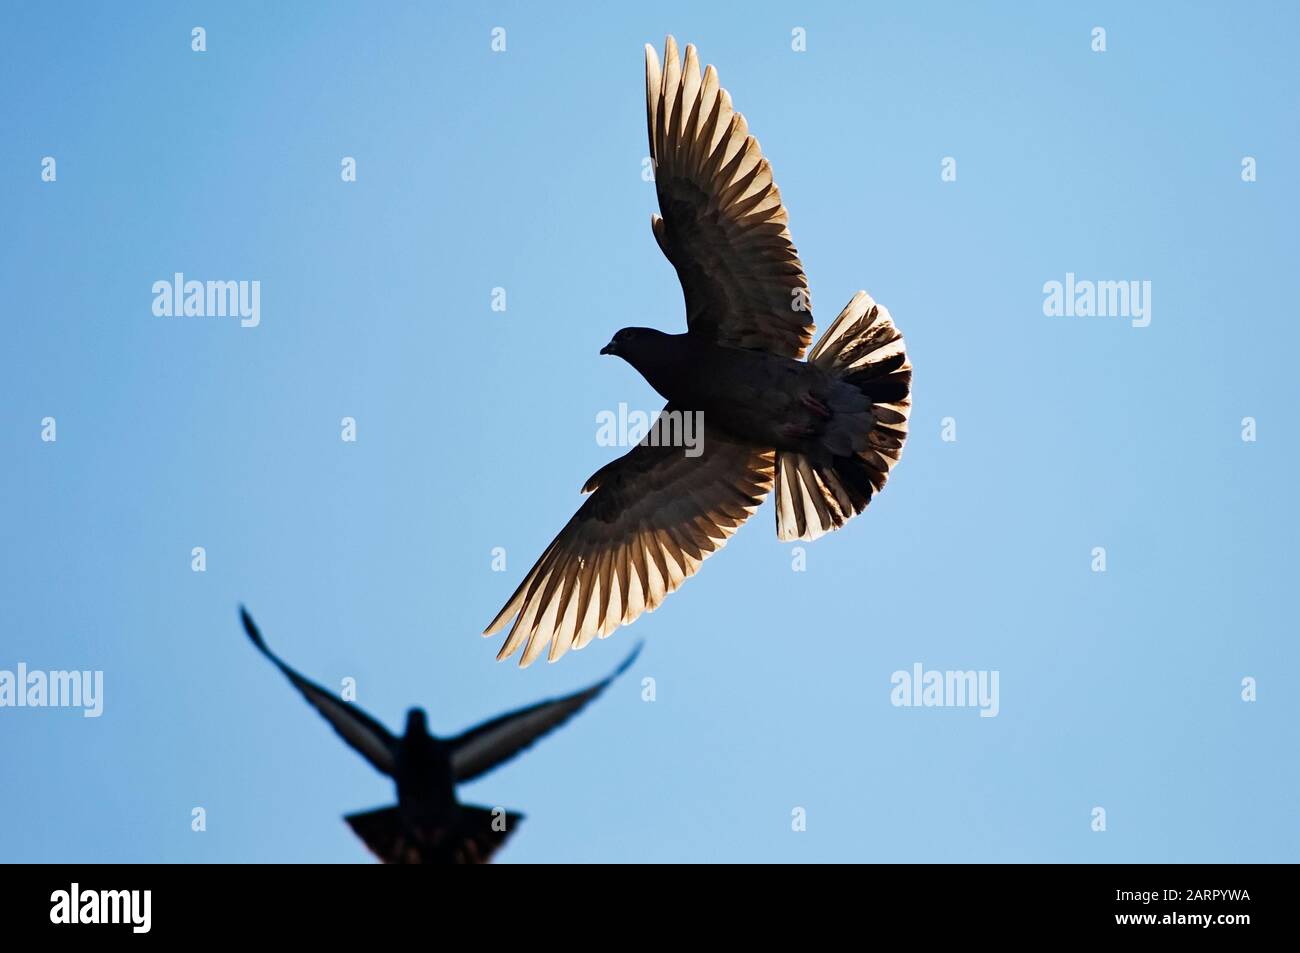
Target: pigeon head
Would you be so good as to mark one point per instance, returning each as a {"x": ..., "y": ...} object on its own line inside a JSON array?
[
  {"x": 415, "y": 723},
  {"x": 631, "y": 343},
  {"x": 646, "y": 349}
]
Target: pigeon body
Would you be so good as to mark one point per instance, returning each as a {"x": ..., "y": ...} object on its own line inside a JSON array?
[
  {"x": 824, "y": 433},
  {"x": 429, "y": 825},
  {"x": 754, "y": 396},
  {"x": 426, "y": 785}
]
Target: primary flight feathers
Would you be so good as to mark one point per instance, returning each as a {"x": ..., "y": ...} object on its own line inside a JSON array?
[
  {"x": 723, "y": 227},
  {"x": 825, "y": 432},
  {"x": 480, "y": 749},
  {"x": 363, "y": 734},
  {"x": 653, "y": 516}
]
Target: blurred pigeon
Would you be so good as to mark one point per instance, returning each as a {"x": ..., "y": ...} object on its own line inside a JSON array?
[
  {"x": 428, "y": 825},
  {"x": 827, "y": 431}
]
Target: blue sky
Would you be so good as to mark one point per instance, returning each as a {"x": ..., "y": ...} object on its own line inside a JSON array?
[{"x": 521, "y": 170}]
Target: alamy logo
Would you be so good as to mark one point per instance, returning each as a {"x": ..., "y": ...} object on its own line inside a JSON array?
[
  {"x": 933, "y": 689},
  {"x": 209, "y": 299},
  {"x": 57, "y": 689},
  {"x": 102, "y": 906},
  {"x": 669, "y": 428},
  {"x": 1101, "y": 299}
]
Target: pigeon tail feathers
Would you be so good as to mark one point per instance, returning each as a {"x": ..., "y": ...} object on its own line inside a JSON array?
[
  {"x": 869, "y": 404},
  {"x": 472, "y": 837}
]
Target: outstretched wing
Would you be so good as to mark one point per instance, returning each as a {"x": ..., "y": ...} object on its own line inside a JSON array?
[
  {"x": 654, "y": 516},
  {"x": 366, "y": 736},
  {"x": 723, "y": 227},
  {"x": 481, "y": 749}
]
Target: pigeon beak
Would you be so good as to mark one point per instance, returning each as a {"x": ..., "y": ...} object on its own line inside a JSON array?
[{"x": 608, "y": 349}]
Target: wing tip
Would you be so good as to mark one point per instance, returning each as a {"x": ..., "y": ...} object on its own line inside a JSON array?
[
  {"x": 250, "y": 627},
  {"x": 629, "y": 661},
  {"x": 509, "y": 647}
]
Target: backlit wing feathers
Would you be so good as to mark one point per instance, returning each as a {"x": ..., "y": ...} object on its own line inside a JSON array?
[
  {"x": 723, "y": 227},
  {"x": 653, "y": 516}
]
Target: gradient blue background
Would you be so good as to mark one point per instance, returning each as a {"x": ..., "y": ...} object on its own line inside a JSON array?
[{"x": 476, "y": 428}]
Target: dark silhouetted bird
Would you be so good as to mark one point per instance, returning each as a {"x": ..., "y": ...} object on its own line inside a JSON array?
[
  {"x": 428, "y": 825},
  {"x": 827, "y": 430}
]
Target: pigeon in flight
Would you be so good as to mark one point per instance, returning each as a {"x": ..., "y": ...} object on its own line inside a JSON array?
[
  {"x": 428, "y": 825},
  {"x": 827, "y": 431}
]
